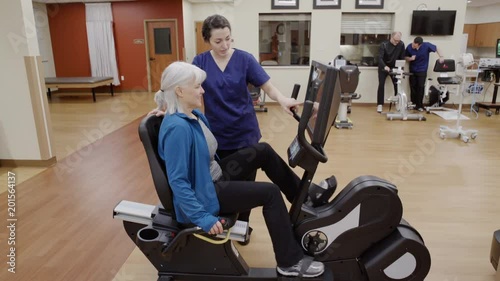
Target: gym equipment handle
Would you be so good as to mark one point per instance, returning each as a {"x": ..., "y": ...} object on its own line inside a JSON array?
[{"x": 295, "y": 94}]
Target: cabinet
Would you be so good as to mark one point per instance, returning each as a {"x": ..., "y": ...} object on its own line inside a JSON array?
[
  {"x": 470, "y": 29},
  {"x": 487, "y": 34}
]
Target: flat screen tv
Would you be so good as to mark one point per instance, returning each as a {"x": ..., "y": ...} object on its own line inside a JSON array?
[
  {"x": 498, "y": 48},
  {"x": 439, "y": 22}
]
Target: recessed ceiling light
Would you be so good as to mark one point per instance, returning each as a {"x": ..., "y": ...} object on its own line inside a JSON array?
[{"x": 469, "y": 1}]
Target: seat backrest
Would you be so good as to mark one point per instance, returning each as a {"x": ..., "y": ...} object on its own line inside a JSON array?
[
  {"x": 448, "y": 65},
  {"x": 149, "y": 129},
  {"x": 348, "y": 77}
]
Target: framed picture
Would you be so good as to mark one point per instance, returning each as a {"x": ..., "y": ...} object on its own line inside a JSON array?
[
  {"x": 369, "y": 4},
  {"x": 326, "y": 4},
  {"x": 284, "y": 4}
]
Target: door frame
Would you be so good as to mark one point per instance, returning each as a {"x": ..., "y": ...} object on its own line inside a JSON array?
[{"x": 146, "y": 44}]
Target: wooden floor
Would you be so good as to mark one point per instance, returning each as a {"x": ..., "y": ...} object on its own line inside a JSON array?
[{"x": 65, "y": 229}]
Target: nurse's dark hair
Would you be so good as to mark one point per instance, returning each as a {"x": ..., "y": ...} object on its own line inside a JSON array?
[{"x": 211, "y": 23}]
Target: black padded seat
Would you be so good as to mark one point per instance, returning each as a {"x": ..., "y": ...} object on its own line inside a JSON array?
[
  {"x": 149, "y": 128},
  {"x": 448, "y": 65}
]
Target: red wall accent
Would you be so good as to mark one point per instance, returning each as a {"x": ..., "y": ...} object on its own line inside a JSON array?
[
  {"x": 68, "y": 33},
  {"x": 67, "y": 26}
]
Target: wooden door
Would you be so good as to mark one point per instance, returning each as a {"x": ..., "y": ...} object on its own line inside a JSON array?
[
  {"x": 162, "y": 49},
  {"x": 201, "y": 45}
]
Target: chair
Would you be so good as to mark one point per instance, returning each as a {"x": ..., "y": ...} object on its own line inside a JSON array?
[
  {"x": 149, "y": 128},
  {"x": 439, "y": 94}
]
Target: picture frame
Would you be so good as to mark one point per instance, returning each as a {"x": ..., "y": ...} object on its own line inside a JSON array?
[
  {"x": 284, "y": 4},
  {"x": 369, "y": 4},
  {"x": 327, "y": 4}
]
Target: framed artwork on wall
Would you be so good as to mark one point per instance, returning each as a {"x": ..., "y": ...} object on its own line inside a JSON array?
[
  {"x": 369, "y": 4},
  {"x": 326, "y": 4},
  {"x": 284, "y": 4}
]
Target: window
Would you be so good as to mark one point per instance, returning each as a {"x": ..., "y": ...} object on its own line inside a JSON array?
[
  {"x": 284, "y": 39},
  {"x": 361, "y": 36}
]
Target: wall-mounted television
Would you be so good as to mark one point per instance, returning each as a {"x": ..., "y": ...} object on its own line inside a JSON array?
[
  {"x": 498, "y": 48},
  {"x": 437, "y": 22}
]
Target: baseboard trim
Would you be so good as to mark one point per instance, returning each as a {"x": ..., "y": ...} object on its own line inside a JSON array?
[{"x": 27, "y": 163}]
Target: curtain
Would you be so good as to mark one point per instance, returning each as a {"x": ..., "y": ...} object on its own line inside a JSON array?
[{"x": 101, "y": 41}]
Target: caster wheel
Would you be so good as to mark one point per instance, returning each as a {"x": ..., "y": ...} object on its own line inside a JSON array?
[
  {"x": 473, "y": 136},
  {"x": 442, "y": 135},
  {"x": 465, "y": 139},
  {"x": 475, "y": 108},
  {"x": 489, "y": 113}
]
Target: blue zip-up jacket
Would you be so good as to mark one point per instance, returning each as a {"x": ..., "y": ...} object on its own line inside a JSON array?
[{"x": 183, "y": 147}]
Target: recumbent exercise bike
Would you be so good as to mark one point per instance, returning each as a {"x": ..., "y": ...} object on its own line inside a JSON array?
[{"x": 359, "y": 235}]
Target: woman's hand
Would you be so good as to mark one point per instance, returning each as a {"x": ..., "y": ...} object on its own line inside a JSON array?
[{"x": 216, "y": 229}]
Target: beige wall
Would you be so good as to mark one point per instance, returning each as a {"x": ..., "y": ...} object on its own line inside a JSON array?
[
  {"x": 18, "y": 130},
  {"x": 485, "y": 14},
  {"x": 325, "y": 35}
]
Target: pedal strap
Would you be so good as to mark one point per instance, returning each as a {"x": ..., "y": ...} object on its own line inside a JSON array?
[{"x": 306, "y": 262}]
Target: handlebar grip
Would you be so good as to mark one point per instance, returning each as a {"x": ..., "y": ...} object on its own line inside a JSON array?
[
  {"x": 295, "y": 94},
  {"x": 227, "y": 222},
  {"x": 295, "y": 91}
]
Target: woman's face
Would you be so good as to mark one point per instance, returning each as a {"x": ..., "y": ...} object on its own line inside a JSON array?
[
  {"x": 191, "y": 95},
  {"x": 220, "y": 41}
]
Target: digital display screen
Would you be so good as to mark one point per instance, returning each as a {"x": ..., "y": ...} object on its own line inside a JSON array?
[
  {"x": 323, "y": 90},
  {"x": 498, "y": 48}
]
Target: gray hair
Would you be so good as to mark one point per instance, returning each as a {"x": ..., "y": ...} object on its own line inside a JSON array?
[
  {"x": 177, "y": 74},
  {"x": 161, "y": 103}
]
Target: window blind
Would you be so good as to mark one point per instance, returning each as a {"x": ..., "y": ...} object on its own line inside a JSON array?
[
  {"x": 284, "y": 17},
  {"x": 366, "y": 23}
]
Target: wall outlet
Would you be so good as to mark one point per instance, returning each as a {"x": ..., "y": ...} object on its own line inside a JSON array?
[{"x": 123, "y": 78}]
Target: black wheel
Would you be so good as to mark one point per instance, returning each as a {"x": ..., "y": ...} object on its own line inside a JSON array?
[{"x": 165, "y": 278}]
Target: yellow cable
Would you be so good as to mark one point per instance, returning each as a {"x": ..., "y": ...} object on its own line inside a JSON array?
[{"x": 213, "y": 241}]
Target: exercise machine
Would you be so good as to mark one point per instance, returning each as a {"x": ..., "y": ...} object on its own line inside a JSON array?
[
  {"x": 258, "y": 98},
  {"x": 401, "y": 99},
  {"x": 458, "y": 131},
  {"x": 348, "y": 78},
  {"x": 359, "y": 235}
]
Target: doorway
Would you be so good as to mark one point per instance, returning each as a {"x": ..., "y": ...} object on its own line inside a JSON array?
[
  {"x": 161, "y": 49},
  {"x": 201, "y": 45}
]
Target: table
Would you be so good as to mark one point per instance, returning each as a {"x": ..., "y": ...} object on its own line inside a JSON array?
[{"x": 78, "y": 82}]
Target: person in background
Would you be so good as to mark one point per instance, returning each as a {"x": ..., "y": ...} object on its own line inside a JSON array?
[
  {"x": 417, "y": 54},
  {"x": 390, "y": 51},
  {"x": 201, "y": 186}
]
